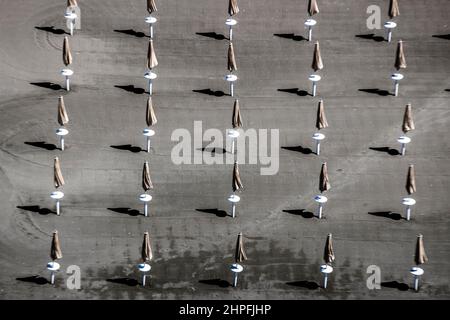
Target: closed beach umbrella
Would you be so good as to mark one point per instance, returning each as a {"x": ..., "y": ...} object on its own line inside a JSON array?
[
  {"x": 420, "y": 257},
  {"x": 313, "y": 8},
  {"x": 151, "y": 6},
  {"x": 237, "y": 184},
  {"x": 57, "y": 175},
  {"x": 151, "y": 56},
  {"x": 400, "y": 61},
  {"x": 233, "y": 7},
  {"x": 324, "y": 181},
  {"x": 146, "y": 253},
  {"x": 67, "y": 55},
  {"x": 317, "y": 63},
  {"x": 55, "y": 251},
  {"x": 321, "y": 121},
  {"x": 231, "y": 58},
  {"x": 146, "y": 180},
  {"x": 411, "y": 180},
  {"x": 408, "y": 122},
  {"x": 240, "y": 255},
  {"x": 150, "y": 116},
  {"x": 393, "y": 9},
  {"x": 63, "y": 118},
  {"x": 72, "y": 3},
  {"x": 328, "y": 255},
  {"x": 237, "y": 119}
]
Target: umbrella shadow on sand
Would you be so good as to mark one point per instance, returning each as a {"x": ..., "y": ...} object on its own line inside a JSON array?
[
  {"x": 442, "y": 36},
  {"x": 300, "y": 212},
  {"x": 219, "y": 213},
  {"x": 52, "y": 30},
  {"x": 37, "y": 279},
  {"x": 132, "y": 88},
  {"x": 210, "y": 92},
  {"x": 311, "y": 285},
  {"x": 129, "y": 211},
  {"x": 128, "y": 147},
  {"x": 42, "y": 144},
  {"x": 291, "y": 36},
  {"x": 216, "y": 282},
  {"x": 36, "y": 209},
  {"x": 370, "y": 36},
  {"x": 298, "y": 149},
  {"x": 213, "y": 150},
  {"x": 390, "y": 151},
  {"x": 47, "y": 85},
  {"x": 395, "y": 285},
  {"x": 297, "y": 91},
  {"x": 125, "y": 281},
  {"x": 387, "y": 214},
  {"x": 213, "y": 35},
  {"x": 132, "y": 32},
  {"x": 377, "y": 91}
]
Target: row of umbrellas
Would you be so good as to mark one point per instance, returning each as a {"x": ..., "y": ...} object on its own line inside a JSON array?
[{"x": 240, "y": 255}]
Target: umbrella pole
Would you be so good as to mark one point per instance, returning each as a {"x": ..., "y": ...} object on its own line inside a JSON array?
[
  {"x": 151, "y": 30},
  {"x": 389, "y": 37},
  {"x": 72, "y": 22},
  {"x": 230, "y": 34},
  {"x": 150, "y": 87},
  {"x": 320, "y": 211},
  {"x": 52, "y": 278},
  {"x": 325, "y": 281},
  {"x": 408, "y": 213},
  {"x": 314, "y": 88},
  {"x": 67, "y": 83},
  {"x": 148, "y": 144},
  {"x": 416, "y": 283},
  {"x": 143, "y": 280},
  {"x": 232, "y": 146},
  {"x": 317, "y": 147},
  {"x": 146, "y": 209},
  {"x": 233, "y": 209},
  {"x": 235, "y": 279},
  {"x": 61, "y": 141},
  {"x": 395, "y": 88},
  {"x": 403, "y": 150},
  {"x": 57, "y": 208},
  {"x": 232, "y": 89},
  {"x": 309, "y": 33}
]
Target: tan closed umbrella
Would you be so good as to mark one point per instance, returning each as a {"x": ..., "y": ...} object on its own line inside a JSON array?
[
  {"x": 420, "y": 256},
  {"x": 150, "y": 116},
  {"x": 328, "y": 255},
  {"x": 411, "y": 180},
  {"x": 237, "y": 184},
  {"x": 57, "y": 174},
  {"x": 317, "y": 63},
  {"x": 233, "y": 7},
  {"x": 240, "y": 255},
  {"x": 55, "y": 250},
  {"x": 146, "y": 252},
  {"x": 146, "y": 179},
  {"x": 393, "y": 9},
  {"x": 72, "y": 3},
  {"x": 400, "y": 60},
  {"x": 67, "y": 55},
  {"x": 324, "y": 180},
  {"x": 237, "y": 119},
  {"x": 152, "y": 61},
  {"x": 151, "y": 6},
  {"x": 63, "y": 118},
  {"x": 232, "y": 66},
  {"x": 408, "y": 122},
  {"x": 313, "y": 8},
  {"x": 321, "y": 121}
]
